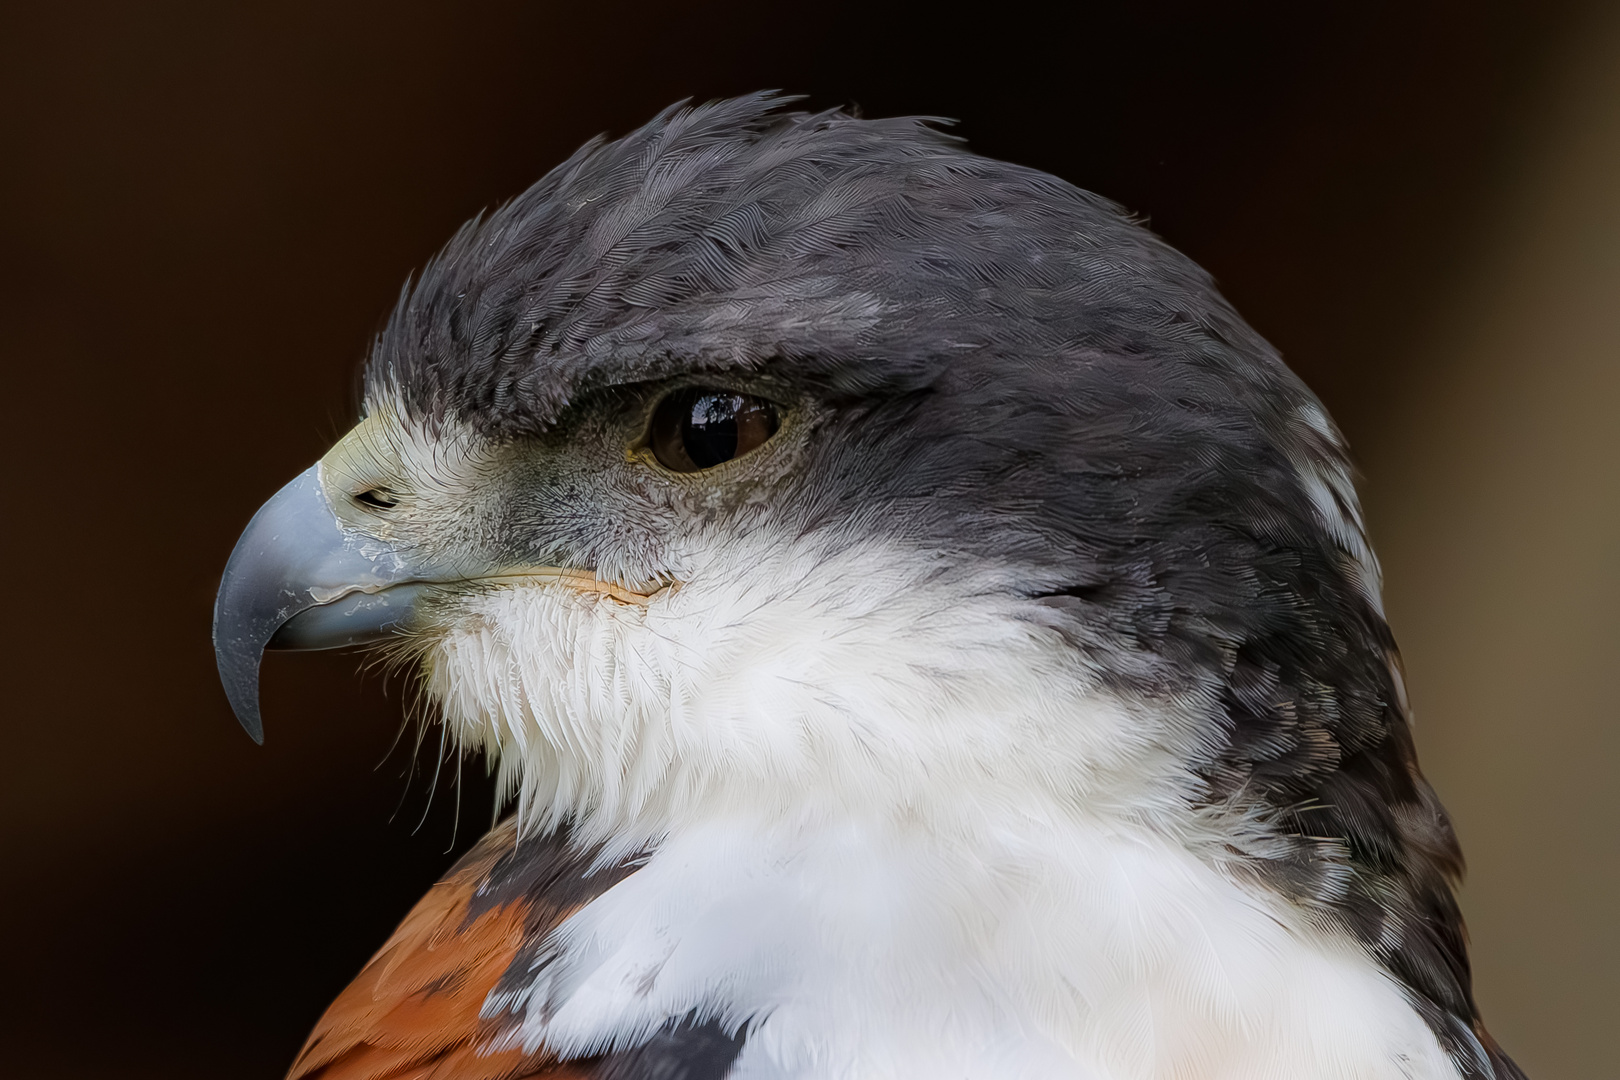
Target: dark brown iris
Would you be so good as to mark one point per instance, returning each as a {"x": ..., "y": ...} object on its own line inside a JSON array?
[{"x": 700, "y": 428}]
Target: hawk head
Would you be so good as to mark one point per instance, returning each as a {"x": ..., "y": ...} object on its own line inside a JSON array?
[{"x": 799, "y": 465}]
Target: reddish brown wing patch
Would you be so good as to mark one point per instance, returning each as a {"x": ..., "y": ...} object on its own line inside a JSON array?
[{"x": 412, "y": 1013}]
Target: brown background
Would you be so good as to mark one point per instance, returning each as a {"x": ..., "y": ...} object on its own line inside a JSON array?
[{"x": 206, "y": 209}]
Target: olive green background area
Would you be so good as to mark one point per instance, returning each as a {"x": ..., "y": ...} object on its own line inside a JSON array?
[{"x": 206, "y": 210}]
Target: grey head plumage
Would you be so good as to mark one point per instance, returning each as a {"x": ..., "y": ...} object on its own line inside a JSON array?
[{"x": 1015, "y": 372}]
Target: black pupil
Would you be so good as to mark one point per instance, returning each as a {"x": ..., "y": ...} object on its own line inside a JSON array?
[
  {"x": 710, "y": 431},
  {"x": 701, "y": 427}
]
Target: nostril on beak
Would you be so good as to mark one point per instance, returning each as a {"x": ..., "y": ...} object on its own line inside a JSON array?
[{"x": 378, "y": 498}]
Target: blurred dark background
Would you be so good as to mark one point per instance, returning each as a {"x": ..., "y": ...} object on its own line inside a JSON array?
[{"x": 207, "y": 209}]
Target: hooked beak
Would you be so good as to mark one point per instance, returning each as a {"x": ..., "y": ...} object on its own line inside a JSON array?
[{"x": 298, "y": 579}]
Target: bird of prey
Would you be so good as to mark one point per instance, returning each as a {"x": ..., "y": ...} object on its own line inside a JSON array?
[{"x": 920, "y": 629}]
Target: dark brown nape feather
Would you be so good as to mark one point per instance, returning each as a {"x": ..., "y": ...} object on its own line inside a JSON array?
[
  {"x": 413, "y": 1011},
  {"x": 1506, "y": 1068}
]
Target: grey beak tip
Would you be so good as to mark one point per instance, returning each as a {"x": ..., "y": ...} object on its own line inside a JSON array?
[
  {"x": 239, "y": 674},
  {"x": 246, "y": 707}
]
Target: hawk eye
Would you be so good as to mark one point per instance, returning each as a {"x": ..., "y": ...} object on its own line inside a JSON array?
[{"x": 700, "y": 428}]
